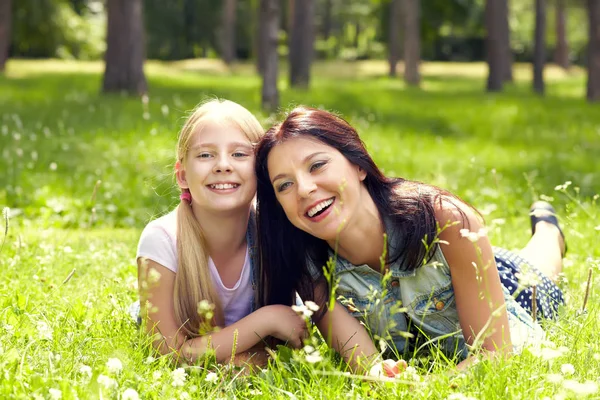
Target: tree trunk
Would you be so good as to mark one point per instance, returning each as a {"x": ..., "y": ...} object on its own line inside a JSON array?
[
  {"x": 412, "y": 41},
  {"x": 270, "y": 16},
  {"x": 495, "y": 50},
  {"x": 394, "y": 32},
  {"x": 539, "y": 46},
  {"x": 125, "y": 48},
  {"x": 228, "y": 31},
  {"x": 327, "y": 20},
  {"x": 301, "y": 43},
  {"x": 593, "y": 84},
  {"x": 561, "y": 54},
  {"x": 505, "y": 27},
  {"x": 5, "y": 30}
]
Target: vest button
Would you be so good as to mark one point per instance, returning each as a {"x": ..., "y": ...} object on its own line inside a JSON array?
[
  {"x": 395, "y": 282},
  {"x": 439, "y": 305}
]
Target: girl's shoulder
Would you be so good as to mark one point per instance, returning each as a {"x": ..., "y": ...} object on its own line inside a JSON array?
[{"x": 158, "y": 241}]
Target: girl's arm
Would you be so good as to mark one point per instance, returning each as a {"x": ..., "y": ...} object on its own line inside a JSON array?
[
  {"x": 276, "y": 320},
  {"x": 475, "y": 279}
]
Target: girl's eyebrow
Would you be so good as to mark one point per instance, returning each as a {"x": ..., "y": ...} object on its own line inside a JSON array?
[
  {"x": 304, "y": 161},
  {"x": 230, "y": 145}
]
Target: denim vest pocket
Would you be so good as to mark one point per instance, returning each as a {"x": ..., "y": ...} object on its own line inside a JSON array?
[{"x": 435, "y": 312}]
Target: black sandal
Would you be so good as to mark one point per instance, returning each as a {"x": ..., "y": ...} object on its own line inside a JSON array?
[{"x": 543, "y": 211}]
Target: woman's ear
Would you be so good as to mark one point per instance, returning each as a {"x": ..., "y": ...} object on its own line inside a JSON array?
[
  {"x": 362, "y": 174},
  {"x": 180, "y": 175}
]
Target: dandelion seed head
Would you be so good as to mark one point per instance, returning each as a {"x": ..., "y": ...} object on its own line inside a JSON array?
[
  {"x": 55, "y": 394},
  {"x": 179, "y": 377},
  {"x": 130, "y": 394},
  {"x": 211, "y": 377},
  {"x": 114, "y": 365},
  {"x": 106, "y": 382}
]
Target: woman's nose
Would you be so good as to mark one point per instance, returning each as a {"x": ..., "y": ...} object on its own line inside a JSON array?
[{"x": 306, "y": 187}]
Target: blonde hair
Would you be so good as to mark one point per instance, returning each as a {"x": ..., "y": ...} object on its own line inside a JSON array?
[{"x": 193, "y": 281}]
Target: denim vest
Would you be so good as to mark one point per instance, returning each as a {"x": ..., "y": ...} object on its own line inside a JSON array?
[{"x": 409, "y": 309}]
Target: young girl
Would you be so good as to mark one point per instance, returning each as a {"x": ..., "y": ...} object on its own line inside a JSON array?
[
  {"x": 196, "y": 264},
  {"x": 412, "y": 261}
]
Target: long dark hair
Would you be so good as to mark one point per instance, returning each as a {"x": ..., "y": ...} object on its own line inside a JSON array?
[{"x": 286, "y": 251}]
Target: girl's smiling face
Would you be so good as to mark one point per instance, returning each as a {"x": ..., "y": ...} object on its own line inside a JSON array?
[
  {"x": 218, "y": 169},
  {"x": 317, "y": 187}
]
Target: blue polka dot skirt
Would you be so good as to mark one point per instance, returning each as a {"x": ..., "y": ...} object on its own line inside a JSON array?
[{"x": 519, "y": 276}]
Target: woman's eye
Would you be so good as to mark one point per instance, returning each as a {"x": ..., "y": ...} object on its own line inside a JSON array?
[
  {"x": 283, "y": 186},
  {"x": 317, "y": 165}
]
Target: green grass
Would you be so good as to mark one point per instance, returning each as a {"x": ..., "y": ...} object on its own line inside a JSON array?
[{"x": 59, "y": 138}]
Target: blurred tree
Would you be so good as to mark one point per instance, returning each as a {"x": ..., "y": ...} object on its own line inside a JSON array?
[
  {"x": 561, "y": 53},
  {"x": 495, "y": 48},
  {"x": 79, "y": 6},
  {"x": 395, "y": 17},
  {"x": 125, "y": 51},
  {"x": 51, "y": 28},
  {"x": 302, "y": 43},
  {"x": 539, "y": 46},
  {"x": 270, "y": 20},
  {"x": 412, "y": 41},
  {"x": 228, "y": 48},
  {"x": 5, "y": 30},
  {"x": 593, "y": 83},
  {"x": 508, "y": 56},
  {"x": 327, "y": 19}
]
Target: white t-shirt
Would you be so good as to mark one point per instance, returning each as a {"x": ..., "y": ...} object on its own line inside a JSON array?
[{"x": 158, "y": 243}]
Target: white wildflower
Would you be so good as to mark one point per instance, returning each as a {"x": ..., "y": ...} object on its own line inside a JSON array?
[
  {"x": 473, "y": 236},
  {"x": 156, "y": 375},
  {"x": 55, "y": 394},
  {"x": 107, "y": 382},
  {"x": 311, "y": 305},
  {"x": 554, "y": 378},
  {"x": 382, "y": 345},
  {"x": 309, "y": 349},
  {"x": 583, "y": 389},
  {"x": 44, "y": 330},
  {"x": 114, "y": 365},
  {"x": 567, "y": 369},
  {"x": 149, "y": 360},
  {"x": 211, "y": 377},
  {"x": 313, "y": 358},
  {"x": 85, "y": 371},
  {"x": 302, "y": 311},
  {"x": 254, "y": 392},
  {"x": 596, "y": 356},
  {"x": 130, "y": 394},
  {"x": 179, "y": 377},
  {"x": 184, "y": 396}
]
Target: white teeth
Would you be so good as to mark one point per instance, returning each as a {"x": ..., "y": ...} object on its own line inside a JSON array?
[
  {"x": 222, "y": 186},
  {"x": 319, "y": 207}
]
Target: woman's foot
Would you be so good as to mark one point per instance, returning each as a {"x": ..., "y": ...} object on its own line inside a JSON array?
[{"x": 543, "y": 216}]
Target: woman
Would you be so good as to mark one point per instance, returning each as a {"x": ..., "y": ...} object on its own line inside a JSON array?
[{"x": 394, "y": 243}]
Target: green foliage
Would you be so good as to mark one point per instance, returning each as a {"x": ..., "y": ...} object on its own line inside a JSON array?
[
  {"x": 51, "y": 28},
  {"x": 67, "y": 269}
]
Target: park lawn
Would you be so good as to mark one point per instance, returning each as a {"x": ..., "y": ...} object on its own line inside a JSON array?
[{"x": 82, "y": 173}]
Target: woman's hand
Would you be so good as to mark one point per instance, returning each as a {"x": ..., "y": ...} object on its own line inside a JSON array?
[{"x": 285, "y": 324}]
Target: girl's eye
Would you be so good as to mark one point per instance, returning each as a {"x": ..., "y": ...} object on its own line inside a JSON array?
[
  {"x": 240, "y": 154},
  {"x": 317, "y": 165},
  {"x": 204, "y": 155},
  {"x": 283, "y": 186}
]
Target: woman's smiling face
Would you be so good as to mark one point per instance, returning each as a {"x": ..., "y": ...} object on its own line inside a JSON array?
[{"x": 317, "y": 187}]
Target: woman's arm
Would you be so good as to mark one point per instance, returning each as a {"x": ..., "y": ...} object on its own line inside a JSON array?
[
  {"x": 157, "y": 308},
  {"x": 475, "y": 279},
  {"x": 348, "y": 337}
]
